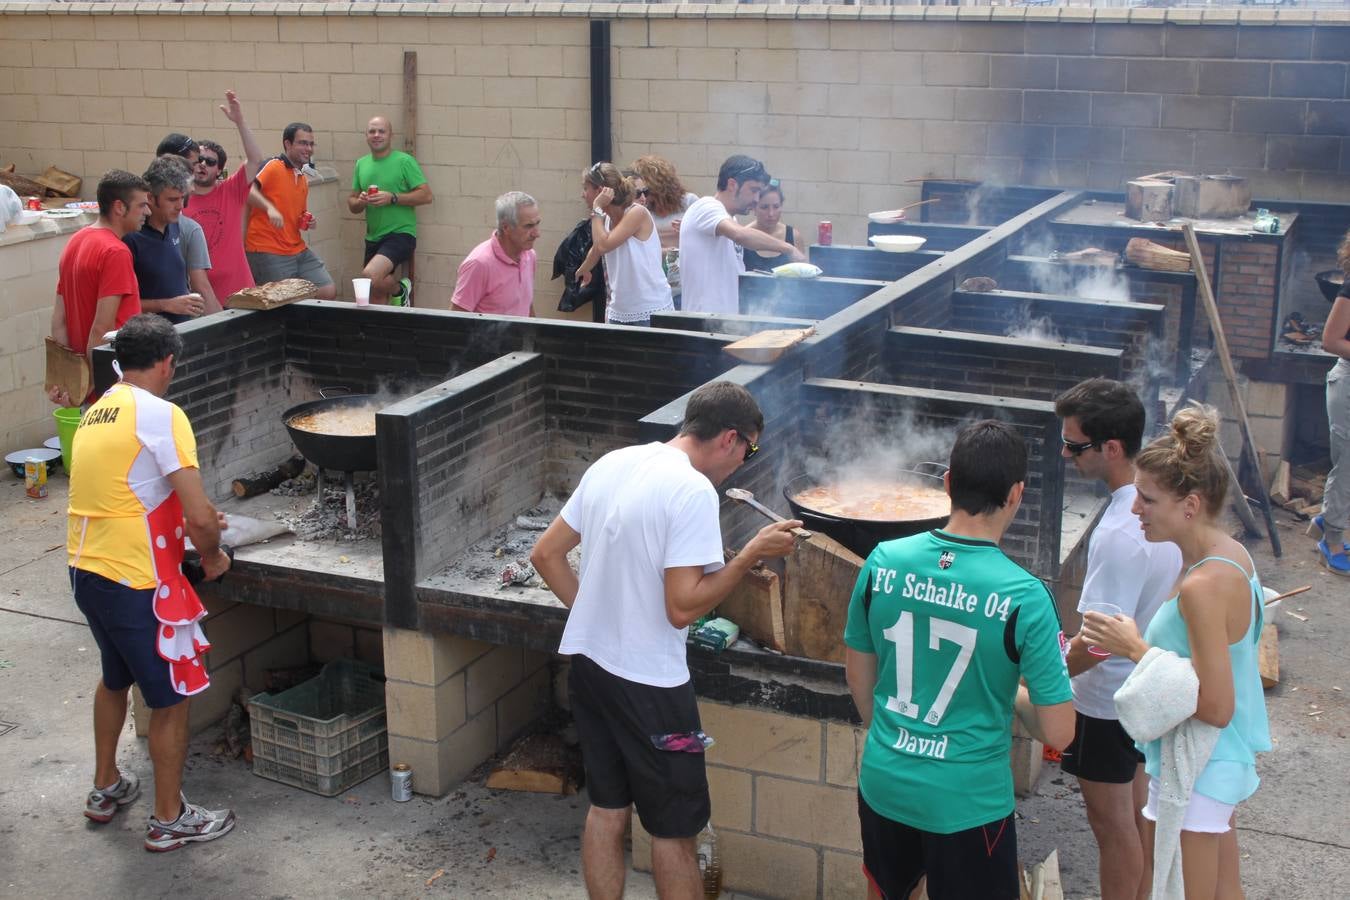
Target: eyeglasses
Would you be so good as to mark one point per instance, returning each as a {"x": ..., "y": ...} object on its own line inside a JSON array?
[
  {"x": 208, "y": 162},
  {"x": 751, "y": 448},
  {"x": 1078, "y": 449},
  {"x": 644, "y": 192}
]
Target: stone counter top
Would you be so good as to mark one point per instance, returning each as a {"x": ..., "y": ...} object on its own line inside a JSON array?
[{"x": 46, "y": 227}]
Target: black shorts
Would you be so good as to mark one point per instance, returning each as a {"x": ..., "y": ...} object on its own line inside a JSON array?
[
  {"x": 397, "y": 248},
  {"x": 616, "y": 720},
  {"x": 1101, "y": 751},
  {"x": 978, "y": 862},
  {"x": 126, "y": 631}
]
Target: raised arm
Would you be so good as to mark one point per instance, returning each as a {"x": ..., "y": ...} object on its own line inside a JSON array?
[{"x": 253, "y": 155}]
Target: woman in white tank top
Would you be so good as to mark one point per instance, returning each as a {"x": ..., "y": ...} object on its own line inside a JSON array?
[{"x": 624, "y": 233}]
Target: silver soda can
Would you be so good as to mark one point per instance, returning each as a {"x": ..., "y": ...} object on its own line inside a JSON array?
[{"x": 400, "y": 781}]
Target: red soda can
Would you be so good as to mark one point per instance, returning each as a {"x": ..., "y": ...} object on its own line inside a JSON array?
[
  {"x": 372, "y": 190},
  {"x": 34, "y": 203},
  {"x": 306, "y": 220},
  {"x": 825, "y": 233}
]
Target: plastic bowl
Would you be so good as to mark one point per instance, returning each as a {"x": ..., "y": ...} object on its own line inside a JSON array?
[
  {"x": 887, "y": 216},
  {"x": 16, "y": 459},
  {"x": 1271, "y": 594},
  {"x": 897, "y": 243}
]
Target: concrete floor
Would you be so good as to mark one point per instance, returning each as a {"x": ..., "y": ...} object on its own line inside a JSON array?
[{"x": 1294, "y": 834}]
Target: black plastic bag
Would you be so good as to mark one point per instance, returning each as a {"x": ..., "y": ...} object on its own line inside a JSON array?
[{"x": 571, "y": 254}]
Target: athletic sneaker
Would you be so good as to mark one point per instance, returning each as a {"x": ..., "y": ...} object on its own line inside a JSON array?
[
  {"x": 193, "y": 824},
  {"x": 405, "y": 297},
  {"x": 1321, "y": 525},
  {"x": 1338, "y": 563},
  {"x": 103, "y": 804}
]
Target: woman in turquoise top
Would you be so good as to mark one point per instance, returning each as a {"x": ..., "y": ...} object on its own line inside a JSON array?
[{"x": 1215, "y": 620}]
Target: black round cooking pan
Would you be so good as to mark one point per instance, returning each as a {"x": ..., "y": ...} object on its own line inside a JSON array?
[
  {"x": 1330, "y": 283},
  {"x": 861, "y": 535},
  {"x": 336, "y": 452}
]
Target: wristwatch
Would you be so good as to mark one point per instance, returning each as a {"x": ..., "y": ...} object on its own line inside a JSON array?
[
  {"x": 393, "y": 199},
  {"x": 597, "y": 212}
]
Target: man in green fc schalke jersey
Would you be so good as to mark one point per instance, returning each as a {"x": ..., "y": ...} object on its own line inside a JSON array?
[
  {"x": 941, "y": 629},
  {"x": 386, "y": 185}
]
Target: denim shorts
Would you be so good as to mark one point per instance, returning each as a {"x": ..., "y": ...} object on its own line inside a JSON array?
[{"x": 126, "y": 631}]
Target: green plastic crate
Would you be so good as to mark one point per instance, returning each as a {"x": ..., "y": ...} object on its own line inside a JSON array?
[{"x": 324, "y": 735}]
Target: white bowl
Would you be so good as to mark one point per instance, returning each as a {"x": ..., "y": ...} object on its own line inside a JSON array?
[
  {"x": 897, "y": 243},
  {"x": 887, "y": 216},
  {"x": 1271, "y": 594}
]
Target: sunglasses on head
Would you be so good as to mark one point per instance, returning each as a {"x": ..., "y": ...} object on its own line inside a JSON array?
[
  {"x": 753, "y": 172},
  {"x": 1078, "y": 449}
]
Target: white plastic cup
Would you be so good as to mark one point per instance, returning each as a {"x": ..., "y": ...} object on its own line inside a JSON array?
[
  {"x": 361, "y": 287},
  {"x": 1106, "y": 609}
]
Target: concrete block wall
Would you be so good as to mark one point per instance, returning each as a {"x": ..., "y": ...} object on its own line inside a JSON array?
[
  {"x": 28, "y": 261},
  {"x": 452, "y": 702},
  {"x": 845, "y": 104},
  {"x": 999, "y": 366}
]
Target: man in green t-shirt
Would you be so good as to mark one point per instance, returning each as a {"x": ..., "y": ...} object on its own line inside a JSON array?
[
  {"x": 941, "y": 629},
  {"x": 386, "y": 185}
]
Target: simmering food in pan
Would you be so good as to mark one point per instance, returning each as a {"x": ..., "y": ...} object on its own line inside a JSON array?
[
  {"x": 876, "y": 500},
  {"x": 348, "y": 421}
]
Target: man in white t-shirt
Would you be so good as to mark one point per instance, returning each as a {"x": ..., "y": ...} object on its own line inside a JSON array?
[
  {"x": 712, "y": 242},
  {"x": 1103, "y": 427},
  {"x": 651, "y": 563}
]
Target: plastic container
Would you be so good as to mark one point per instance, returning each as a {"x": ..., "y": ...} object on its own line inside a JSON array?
[
  {"x": 324, "y": 735},
  {"x": 67, "y": 420}
]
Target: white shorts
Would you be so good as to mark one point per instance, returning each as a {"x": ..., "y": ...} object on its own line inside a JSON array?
[{"x": 1203, "y": 814}]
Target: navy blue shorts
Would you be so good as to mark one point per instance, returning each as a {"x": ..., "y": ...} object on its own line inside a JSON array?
[{"x": 125, "y": 629}]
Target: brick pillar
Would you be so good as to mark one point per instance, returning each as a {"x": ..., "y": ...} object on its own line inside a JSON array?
[{"x": 451, "y": 702}]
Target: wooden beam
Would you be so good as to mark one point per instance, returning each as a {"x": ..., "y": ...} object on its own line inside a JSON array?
[
  {"x": 1226, "y": 359},
  {"x": 410, "y": 102}
]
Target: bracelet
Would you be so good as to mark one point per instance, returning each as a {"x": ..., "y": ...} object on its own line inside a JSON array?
[
  {"x": 597, "y": 212},
  {"x": 393, "y": 199}
]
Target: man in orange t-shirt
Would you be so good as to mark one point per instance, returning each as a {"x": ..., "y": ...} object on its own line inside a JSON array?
[
  {"x": 275, "y": 253},
  {"x": 96, "y": 288}
]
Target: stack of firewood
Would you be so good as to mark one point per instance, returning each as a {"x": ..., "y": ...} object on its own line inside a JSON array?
[
  {"x": 1298, "y": 489},
  {"x": 53, "y": 182}
]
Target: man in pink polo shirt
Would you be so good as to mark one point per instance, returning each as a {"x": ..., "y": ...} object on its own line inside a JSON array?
[{"x": 497, "y": 277}]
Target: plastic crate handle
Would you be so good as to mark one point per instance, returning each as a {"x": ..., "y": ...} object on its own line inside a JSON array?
[{"x": 285, "y": 723}]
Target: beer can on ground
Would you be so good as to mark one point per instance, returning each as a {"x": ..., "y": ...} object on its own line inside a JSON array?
[
  {"x": 825, "y": 233},
  {"x": 35, "y": 477},
  {"x": 400, "y": 781}
]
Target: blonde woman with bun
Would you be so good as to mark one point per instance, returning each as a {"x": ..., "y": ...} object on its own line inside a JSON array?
[
  {"x": 624, "y": 234},
  {"x": 1214, "y": 619}
]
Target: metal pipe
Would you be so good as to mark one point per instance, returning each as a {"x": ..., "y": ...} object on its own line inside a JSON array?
[{"x": 602, "y": 147}]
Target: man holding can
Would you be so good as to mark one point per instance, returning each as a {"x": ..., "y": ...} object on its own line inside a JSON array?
[
  {"x": 155, "y": 248},
  {"x": 1103, "y": 428},
  {"x": 386, "y": 185},
  {"x": 651, "y": 564},
  {"x": 134, "y": 490},
  {"x": 278, "y": 253},
  {"x": 712, "y": 242},
  {"x": 947, "y": 640}
]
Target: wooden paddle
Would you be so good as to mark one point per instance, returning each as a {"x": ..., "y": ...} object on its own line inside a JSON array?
[{"x": 768, "y": 346}]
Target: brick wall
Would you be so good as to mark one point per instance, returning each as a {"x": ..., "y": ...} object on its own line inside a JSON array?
[
  {"x": 845, "y": 104},
  {"x": 843, "y": 261},
  {"x": 457, "y": 461},
  {"x": 998, "y": 366},
  {"x": 805, "y": 298},
  {"x": 1248, "y": 296}
]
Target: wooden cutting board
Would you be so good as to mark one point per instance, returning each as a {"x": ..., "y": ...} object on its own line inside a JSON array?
[
  {"x": 818, "y": 581},
  {"x": 756, "y": 605},
  {"x": 767, "y": 346},
  {"x": 272, "y": 294},
  {"x": 68, "y": 370}
]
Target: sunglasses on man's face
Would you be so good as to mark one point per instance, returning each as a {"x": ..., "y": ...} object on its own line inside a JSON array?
[
  {"x": 208, "y": 162},
  {"x": 751, "y": 448},
  {"x": 1078, "y": 449}
]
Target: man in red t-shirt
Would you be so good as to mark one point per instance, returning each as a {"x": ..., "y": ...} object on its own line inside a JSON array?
[
  {"x": 96, "y": 289},
  {"x": 218, "y": 206}
]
